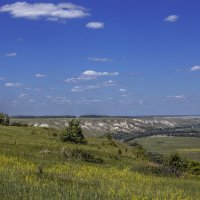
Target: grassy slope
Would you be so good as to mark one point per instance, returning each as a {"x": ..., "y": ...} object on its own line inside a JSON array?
[
  {"x": 26, "y": 151},
  {"x": 187, "y": 146}
]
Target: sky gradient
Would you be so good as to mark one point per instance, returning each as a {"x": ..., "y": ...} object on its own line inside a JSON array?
[{"x": 132, "y": 57}]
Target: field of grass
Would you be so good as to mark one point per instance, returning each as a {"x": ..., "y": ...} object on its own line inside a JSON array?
[
  {"x": 34, "y": 165},
  {"x": 186, "y": 146}
]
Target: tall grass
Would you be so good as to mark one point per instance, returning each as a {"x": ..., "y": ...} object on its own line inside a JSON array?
[{"x": 35, "y": 168}]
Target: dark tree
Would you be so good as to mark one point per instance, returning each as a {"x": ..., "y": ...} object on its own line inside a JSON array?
[
  {"x": 4, "y": 119},
  {"x": 74, "y": 133}
]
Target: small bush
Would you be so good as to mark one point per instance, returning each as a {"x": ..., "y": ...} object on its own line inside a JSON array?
[
  {"x": 79, "y": 154},
  {"x": 108, "y": 136},
  {"x": 120, "y": 152},
  {"x": 158, "y": 170},
  {"x": 155, "y": 157},
  {"x": 54, "y": 134},
  {"x": 139, "y": 151},
  {"x": 4, "y": 119},
  {"x": 194, "y": 167},
  {"x": 112, "y": 143},
  {"x": 174, "y": 160},
  {"x": 74, "y": 133},
  {"x": 39, "y": 170},
  {"x": 177, "y": 163}
]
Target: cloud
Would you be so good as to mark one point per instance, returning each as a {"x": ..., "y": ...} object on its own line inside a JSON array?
[
  {"x": 48, "y": 11},
  {"x": 195, "y": 68},
  {"x": 64, "y": 100},
  {"x": 122, "y": 90},
  {"x": 12, "y": 54},
  {"x": 95, "y": 25},
  {"x": 22, "y": 95},
  {"x": 90, "y": 75},
  {"x": 88, "y": 101},
  {"x": 84, "y": 88},
  {"x": 95, "y": 74},
  {"x": 177, "y": 97},
  {"x": 13, "y": 84},
  {"x": 109, "y": 83},
  {"x": 40, "y": 75},
  {"x": 1, "y": 78},
  {"x": 171, "y": 18},
  {"x": 96, "y": 59},
  {"x": 81, "y": 78}
]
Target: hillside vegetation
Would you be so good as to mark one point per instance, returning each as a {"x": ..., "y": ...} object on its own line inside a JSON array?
[
  {"x": 35, "y": 164},
  {"x": 187, "y": 146}
]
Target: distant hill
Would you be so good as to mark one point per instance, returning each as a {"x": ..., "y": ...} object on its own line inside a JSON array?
[{"x": 45, "y": 116}]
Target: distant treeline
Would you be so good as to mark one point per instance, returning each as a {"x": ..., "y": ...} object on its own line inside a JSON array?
[{"x": 46, "y": 116}]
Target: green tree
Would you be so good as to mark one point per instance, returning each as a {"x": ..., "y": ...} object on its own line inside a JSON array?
[
  {"x": 74, "y": 133},
  {"x": 4, "y": 119}
]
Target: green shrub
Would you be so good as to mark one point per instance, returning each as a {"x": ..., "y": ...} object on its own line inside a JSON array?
[
  {"x": 108, "y": 136},
  {"x": 194, "y": 167},
  {"x": 155, "y": 157},
  {"x": 158, "y": 170},
  {"x": 174, "y": 160},
  {"x": 4, "y": 119},
  {"x": 74, "y": 133},
  {"x": 139, "y": 151},
  {"x": 120, "y": 152},
  {"x": 79, "y": 154}
]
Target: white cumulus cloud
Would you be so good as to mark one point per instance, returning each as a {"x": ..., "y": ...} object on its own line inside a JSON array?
[
  {"x": 122, "y": 90},
  {"x": 48, "y": 11},
  {"x": 12, "y": 54},
  {"x": 90, "y": 75},
  {"x": 195, "y": 68},
  {"x": 40, "y": 75},
  {"x": 94, "y": 73},
  {"x": 109, "y": 83},
  {"x": 13, "y": 84},
  {"x": 171, "y": 18},
  {"x": 95, "y": 25}
]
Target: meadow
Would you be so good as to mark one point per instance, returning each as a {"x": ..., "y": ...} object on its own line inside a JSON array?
[
  {"x": 35, "y": 164},
  {"x": 188, "y": 147}
]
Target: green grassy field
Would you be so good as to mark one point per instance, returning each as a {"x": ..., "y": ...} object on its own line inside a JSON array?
[
  {"x": 34, "y": 164},
  {"x": 186, "y": 146}
]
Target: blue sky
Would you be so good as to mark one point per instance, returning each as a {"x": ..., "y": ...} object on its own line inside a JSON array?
[{"x": 132, "y": 57}]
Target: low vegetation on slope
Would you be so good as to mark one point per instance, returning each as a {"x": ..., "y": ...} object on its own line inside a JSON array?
[
  {"x": 35, "y": 164},
  {"x": 188, "y": 147}
]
